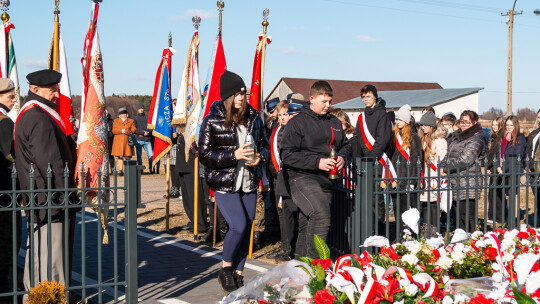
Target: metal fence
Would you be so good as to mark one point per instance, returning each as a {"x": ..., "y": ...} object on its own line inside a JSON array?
[
  {"x": 104, "y": 262},
  {"x": 366, "y": 204}
]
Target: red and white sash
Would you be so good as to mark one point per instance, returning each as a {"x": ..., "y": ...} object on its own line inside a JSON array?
[
  {"x": 34, "y": 103},
  {"x": 369, "y": 141},
  {"x": 3, "y": 111},
  {"x": 274, "y": 152},
  {"x": 406, "y": 152}
]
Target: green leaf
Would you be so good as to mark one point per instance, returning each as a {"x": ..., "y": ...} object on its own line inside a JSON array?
[
  {"x": 355, "y": 263},
  {"x": 305, "y": 269},
  {"x": 521, "y": 297},
  {"x": 320, "y": 273},
  {"x": 309, "y": 261},
  {"x": 322, "y": 248},
  {"x": 343, "y": 298}
]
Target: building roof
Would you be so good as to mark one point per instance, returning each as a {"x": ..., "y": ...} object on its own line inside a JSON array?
[
  {"x": 345, "y": 89},
  {"x": 415, "y": 98}
]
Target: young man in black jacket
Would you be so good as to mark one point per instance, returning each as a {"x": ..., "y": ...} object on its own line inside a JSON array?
[
  {"x": 374, "y": 132},
  {"x": 307, "y": 142}
]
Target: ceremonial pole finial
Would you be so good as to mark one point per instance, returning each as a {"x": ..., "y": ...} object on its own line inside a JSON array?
[
  {"x": 220, "y": 5},
  {"x": 170, "y": 39},
  {"x": 196, "y": 21},
  {"x": 265, "y": 23},
  {"x": 4, "y": 5},
  {"x": 56, "y": 4}
]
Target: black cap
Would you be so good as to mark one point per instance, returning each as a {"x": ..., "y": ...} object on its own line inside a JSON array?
[
  {"x": 370, "y": 88},
  {"x": 44, "y": 78},
  {"x": 229, "y": 84},
  {"x": 294, "y": 107},
  {"x": 122, "y": 111},
  {"x": 272, "y": 104}
]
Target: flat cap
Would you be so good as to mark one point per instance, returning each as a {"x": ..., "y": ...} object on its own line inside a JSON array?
[
  {"x": 122, "y": 111},
  {"x": 293, "y": 95},
  {"x": 272, "y": 104},
  {"x": 44, "y": 78},
  {"x": 294, "y": 107},
  {"x": 6, "y": 85}
]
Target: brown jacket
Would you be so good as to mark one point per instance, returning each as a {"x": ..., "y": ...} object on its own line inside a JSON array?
[{"x": 120, "y": 143}]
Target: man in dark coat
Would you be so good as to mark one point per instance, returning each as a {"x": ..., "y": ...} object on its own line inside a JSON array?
[
  {"x": 7, "y": 100},
  {"x": 143, "y": 136},
  {"x": 532, "y": 153},
  {"x": 41, "y": 146},
  {"x": 380, "y": 128}
]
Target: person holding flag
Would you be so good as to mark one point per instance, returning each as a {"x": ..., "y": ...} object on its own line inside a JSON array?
[
  {"x": 230, "y": 137},
  {"x": 8, "y": 63}
]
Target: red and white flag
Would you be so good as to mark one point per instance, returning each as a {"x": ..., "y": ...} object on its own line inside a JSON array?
[
  {"x": 8, "y": 64},
  {"x": 255, "y": 95}
]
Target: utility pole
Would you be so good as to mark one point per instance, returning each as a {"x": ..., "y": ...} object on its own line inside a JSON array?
[{"x": 511, "y": 13}]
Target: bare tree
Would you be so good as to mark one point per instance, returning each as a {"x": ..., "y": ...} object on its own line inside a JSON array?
[{"x": 492, "y": 113}]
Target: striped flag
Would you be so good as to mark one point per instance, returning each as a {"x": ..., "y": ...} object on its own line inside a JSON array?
[
  {"x": 8, "y": 65},
  {"x": 188, "y": 105},
  {"x": 211, "y": 93},
  {"x": 92, "y": 152},
  {"x": 57, "y": 62},
  {"x": 255, "y": 94},
  {"x": 160, "y": 116}
]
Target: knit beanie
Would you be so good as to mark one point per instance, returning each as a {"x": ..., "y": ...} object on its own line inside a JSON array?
[
  {"x": 229, "y": 84},
  {"x": 404, "y": 113},
  {"x": 429, "y": 119},
  {"x": 370, "y": 88}
]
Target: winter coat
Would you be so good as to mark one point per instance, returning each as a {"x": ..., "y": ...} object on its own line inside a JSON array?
[
  {"x": 141, "y": 125},
  {"x": 120, "y": 142},
  {"x": 517, "y": 150},
  {"x": 408, "y": 169},
  {"x": 464, "y": 149},
  {"x": 532, "y": 148},
  {"x": 217, "y": 145},
  {"x": 7, "y": 155},
  {"x": 439, "y": 148},
  {"x": 306, "y": 139},
  {"x": 379, "y": 126}
]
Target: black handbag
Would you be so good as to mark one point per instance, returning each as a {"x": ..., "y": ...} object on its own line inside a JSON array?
[{"x": 131, "y": 143}]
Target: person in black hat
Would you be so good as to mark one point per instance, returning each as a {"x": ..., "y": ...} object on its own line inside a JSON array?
[
  {"x": 123, "y": 127},
  {"x": 8, "y": 98},
  {"x": 271, "y": 115},
  {"x": 233, "y": 170},
  {"x": 40, "y": 142}
]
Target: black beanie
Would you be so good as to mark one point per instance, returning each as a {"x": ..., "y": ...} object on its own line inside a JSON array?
[
  {"x": 229, "y": 84},
  {"x": 370, "y": 88}
]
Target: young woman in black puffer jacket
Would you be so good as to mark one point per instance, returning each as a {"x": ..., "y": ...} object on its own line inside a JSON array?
[{"x": 230, "y": 171}]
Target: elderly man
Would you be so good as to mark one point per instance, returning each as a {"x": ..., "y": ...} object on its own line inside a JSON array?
[
  {"x": 7, "y": 101},
  {"x": 40, "y": 144}
]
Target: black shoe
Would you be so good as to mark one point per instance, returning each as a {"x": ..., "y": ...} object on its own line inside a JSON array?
[
  {"x": 175, "y": 192},
  {"x": 120, "y": 173},
  {"x": 239, "y": 279},
  {"x": 282, "y": 258},
  {"x": 209, "y": 235},
  {"x": 226, "y": 280},
  {"x": 274, "y": 254},
  {"x": 257, "y": 240}
]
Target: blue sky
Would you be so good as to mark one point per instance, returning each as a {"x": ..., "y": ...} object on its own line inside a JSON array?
[{"x": 457, "y": 43}]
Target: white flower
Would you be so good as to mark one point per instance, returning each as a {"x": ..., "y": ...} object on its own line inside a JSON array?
[
  {"x": 413, "y": 246},
  {"x": 400, "y": 302},
  {"x": 411, "y": 290},
  {"x": 496, "y": 267},
  {"x": 444, "y": 262},
  {"x": 447, "y": 300},
  {"x": 525, "y": 242},
  {"x": 457, "y": 256},
  {"x": 404, "y": 283},
  {"x": 459, "y": 299},
  {"x": 409, "y": 258},
  {"x": 480, "y": 244},
  {"x": 507, "y": 244},
  {"x": 459, "y": 247},
  {"x": 497, "y": 277},
  {"x": 476, "y": 235},
  {"x": 435, "y": 242}
]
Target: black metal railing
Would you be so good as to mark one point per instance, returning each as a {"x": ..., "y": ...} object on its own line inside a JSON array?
[
  {"x": 366, "y": 204},
  {"x": 70, "y": 207}
]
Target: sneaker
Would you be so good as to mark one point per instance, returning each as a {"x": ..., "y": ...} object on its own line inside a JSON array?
[
  {"x": 239, "y": 279},
  {"x": 226, "y": 280}
]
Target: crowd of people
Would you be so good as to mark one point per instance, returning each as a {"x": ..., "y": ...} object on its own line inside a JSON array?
[{"x": 292, "y": 153}]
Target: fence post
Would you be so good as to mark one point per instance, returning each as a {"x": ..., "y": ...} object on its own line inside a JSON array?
[
  {"x": 513, "y": 206},
  {"x": 131, "y": 201},
  {"x": 364, "y": 198}
]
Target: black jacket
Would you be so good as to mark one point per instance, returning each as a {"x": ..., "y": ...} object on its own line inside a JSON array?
[
  {"x": 181, "y": 166},
  {"x": 217, "y": 145},
  {"x": 407, "y": 168},
  {"x": 379, "y": 126},
  {"x": 141, "y": 123},
  {"x": 530, "y": 151},
  {"x": 306, "y": 139},
  {"x": 6, "y": 153},
  {"x": 40, "y": 141}
]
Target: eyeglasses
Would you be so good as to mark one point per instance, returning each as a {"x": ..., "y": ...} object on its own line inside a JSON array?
[{"x": 465, "y": 123}]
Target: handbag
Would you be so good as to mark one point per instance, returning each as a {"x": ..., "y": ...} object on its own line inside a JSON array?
[{"x": 131, "y": 143}]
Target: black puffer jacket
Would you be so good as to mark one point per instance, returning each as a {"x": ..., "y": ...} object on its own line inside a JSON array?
[
  {"x": 464, "y": 149},
  {"x": 217, "y": 145}
]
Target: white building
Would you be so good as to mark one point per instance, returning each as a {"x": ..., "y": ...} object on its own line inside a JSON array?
[{"x": 442, "y": 100}]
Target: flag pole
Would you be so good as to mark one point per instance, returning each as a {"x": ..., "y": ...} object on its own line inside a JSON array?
[
  {"x": 168, "y": 171},
  {"x": 265, "y": 24},
  {"x": 55, "y": 65},
  {"x": 5, "y": 19},
  {"x": 196, "y": 21}
]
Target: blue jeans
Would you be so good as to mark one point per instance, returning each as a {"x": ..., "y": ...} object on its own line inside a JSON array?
[
  {"x": 147, "y": 148},
  {"x": 238, "y": 209}
]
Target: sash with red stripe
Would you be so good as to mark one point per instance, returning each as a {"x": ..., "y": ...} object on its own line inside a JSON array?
[
  {"x": 369, "y": 141},
  {"x": 274, "y": 152},
  {"x": 2, "y": 111},
  {"x": 52, "y": 113}
]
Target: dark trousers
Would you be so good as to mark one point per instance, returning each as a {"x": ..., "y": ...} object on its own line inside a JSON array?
[
  {"x": 497, "y": 200},
  {"x": 238, "y": 208},
  {"x": 432, "y": 212},
  {"x": 7, "y": 227},
  {"x": 187, "y": 184},
  {"x": 221, "y": 223},
  {"x": 465, "y": 215},
  {"x": 175, "y": 178},
  {"x": 288, "y": 224},
  {"x": 313, "y": 201},
  {"x": 404, "y": 201}
]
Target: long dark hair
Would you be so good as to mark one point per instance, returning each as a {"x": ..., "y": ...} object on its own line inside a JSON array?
[{"x": 233, "y": 115}]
